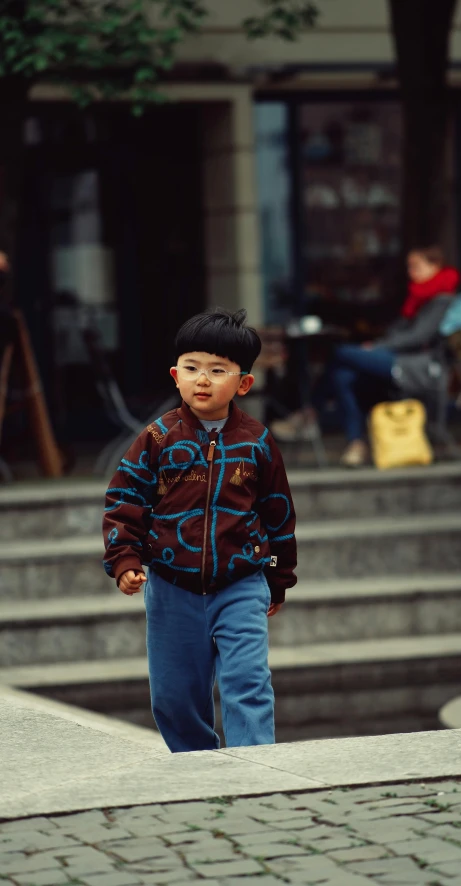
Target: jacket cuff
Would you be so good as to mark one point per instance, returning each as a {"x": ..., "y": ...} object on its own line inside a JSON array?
[
  {"x": 277, "y": 594},
  {"x": 123, "y": 565}
]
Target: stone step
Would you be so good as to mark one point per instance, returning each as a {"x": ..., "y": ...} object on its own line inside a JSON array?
[
  {"x": 357, "y": 688},
  {"x": 326, "y": 550},
  {"x": 379, "y": 546},
  {"x": 341, "y": 494},
  {"x": 57, "y": 509},
  {"x": 368, "y": 608},
  {"x": 51, "y": 509},
  {"x": 108, "y": 626},
  {"x": 56, "y": 567},
  {"x": 74, "y": 629}
]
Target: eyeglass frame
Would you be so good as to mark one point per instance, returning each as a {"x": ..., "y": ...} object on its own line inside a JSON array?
[{"x": 212, "y": 381}]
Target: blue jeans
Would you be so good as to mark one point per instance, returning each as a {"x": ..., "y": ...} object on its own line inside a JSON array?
[
  {"x": 193, "y": 639},
  {"x": 356, "y": 372}
]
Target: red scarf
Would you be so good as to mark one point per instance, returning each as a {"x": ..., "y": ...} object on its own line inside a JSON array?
[{"x": 444, "y": 281}]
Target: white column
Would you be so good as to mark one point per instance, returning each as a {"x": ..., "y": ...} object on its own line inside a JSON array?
[{"x": 232, "y": 244}]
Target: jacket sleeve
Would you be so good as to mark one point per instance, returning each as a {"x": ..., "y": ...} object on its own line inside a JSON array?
[
  {"x": 128, "y": 505},
  {"x": 417, "y": 334},
  {"x": 278, "y": 516}
]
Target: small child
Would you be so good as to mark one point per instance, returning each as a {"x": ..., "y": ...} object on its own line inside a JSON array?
[{"x": 202, "y": 498}]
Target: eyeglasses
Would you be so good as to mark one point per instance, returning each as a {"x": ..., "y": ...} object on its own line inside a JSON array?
[{"x": 217, "y": 375}]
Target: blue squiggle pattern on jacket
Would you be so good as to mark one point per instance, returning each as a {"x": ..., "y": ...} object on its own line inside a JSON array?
[
  {"x": 159, "y": 423},
  {"x": 134, "y": 469},
  {"x": 181, "y": 517},
  {"x": 265, "y": 448},
  {"x": 271, "y": 529},
  {"x": 193, "y": 450},
  {"x": 182, "y": 456},
  {"x": 167, "y": 559},
  {"x": 247, "y": 554},
  {"x": 260, "y": 537},
  {"x": 132, "y": 493}
]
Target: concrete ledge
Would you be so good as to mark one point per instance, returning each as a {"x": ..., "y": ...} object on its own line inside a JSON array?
[
  {"x": 57, "y": 763},
  {"x": 82, "y": 717},
  {"x": 450, "y": 714}
]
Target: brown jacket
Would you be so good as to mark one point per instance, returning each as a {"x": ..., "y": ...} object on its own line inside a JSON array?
[{"x": 202, "y": 510}]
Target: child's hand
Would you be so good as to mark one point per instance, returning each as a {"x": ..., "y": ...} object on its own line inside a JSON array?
[
  {"x": 274, "y": 608},
  {"x": 131, "y": 582}
]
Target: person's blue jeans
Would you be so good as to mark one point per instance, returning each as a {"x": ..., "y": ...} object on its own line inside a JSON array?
[
  {"x": 193, "y": 639},
  {"x": 355, "y": 372}
]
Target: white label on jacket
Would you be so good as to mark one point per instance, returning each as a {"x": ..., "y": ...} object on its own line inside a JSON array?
[{"x": 273, "y": 561}]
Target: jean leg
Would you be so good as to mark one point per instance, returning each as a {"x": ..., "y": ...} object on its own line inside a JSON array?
[
  {"x": 377, "y": 362},
  {"x": 351, "y": 365},
  {"x": 345, "y": 381},
  {"x": 238, "y": 619},
  {"x": 181, "y": 657}
]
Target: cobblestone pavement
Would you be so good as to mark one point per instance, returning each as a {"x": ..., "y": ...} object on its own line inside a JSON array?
[{"x": 397, "y": 834}]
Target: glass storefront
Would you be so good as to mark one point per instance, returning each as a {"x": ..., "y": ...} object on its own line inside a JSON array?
[{"x": 329, "y": 196}]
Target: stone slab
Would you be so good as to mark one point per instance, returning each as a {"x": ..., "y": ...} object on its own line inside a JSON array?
[
  {"x": 57, "y": 764},
  {"x": 85, "y": 718},
  {"x": 374, "y": 759},
  {"x": 450, "y": 715}
]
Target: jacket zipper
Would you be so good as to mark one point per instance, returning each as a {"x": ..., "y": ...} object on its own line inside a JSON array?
[{"x": 209, "y": 458}]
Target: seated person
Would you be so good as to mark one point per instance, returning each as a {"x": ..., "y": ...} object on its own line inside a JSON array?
[{"x": 389, "y": 360}]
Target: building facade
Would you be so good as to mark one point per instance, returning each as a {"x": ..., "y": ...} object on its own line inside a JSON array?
[{"x": 270, "y": 181}]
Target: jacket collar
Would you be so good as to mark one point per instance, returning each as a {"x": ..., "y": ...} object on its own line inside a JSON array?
[{"x": 187, "y": 416}]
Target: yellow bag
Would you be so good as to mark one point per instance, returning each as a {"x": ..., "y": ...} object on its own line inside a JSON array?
[{"x": 397, "y": 435}]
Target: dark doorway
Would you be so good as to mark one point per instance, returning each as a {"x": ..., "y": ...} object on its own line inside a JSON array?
[{"x": 111, "y": 232}]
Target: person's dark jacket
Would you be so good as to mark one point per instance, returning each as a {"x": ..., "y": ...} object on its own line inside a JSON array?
[
  {"x": 202, "y": 510},
  {"x": 420, "y": 358}
]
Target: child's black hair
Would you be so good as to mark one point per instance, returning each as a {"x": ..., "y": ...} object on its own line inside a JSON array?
[{"x": 218, "y": 331}]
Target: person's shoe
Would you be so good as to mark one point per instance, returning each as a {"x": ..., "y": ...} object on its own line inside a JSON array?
[
  {"x": 355, "y": 455},
  {"x": 297, "y": 427}
]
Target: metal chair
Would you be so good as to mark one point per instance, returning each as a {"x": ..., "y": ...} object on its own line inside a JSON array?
[{"x": 116, "y": 409}]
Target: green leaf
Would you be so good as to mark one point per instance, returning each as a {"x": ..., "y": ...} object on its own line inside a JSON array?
[
  {"x": 109, "y": 48},
  {"x": 144, "y": 75},
  {"x": 286, "y": 19}
]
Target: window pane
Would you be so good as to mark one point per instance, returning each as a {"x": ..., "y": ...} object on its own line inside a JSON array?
[
  {"x": 273, "y": 179},
  {"x": 350, "y": 182}
]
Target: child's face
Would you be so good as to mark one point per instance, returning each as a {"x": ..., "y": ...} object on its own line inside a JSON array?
[
  {"x": 207, "y": 399},
  {"x": 419, "y": 268}
]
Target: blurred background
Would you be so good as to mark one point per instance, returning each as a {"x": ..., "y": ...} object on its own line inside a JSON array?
[
  {"x": 286, "y": 176},
  {"x": 276, "y": 175}
]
